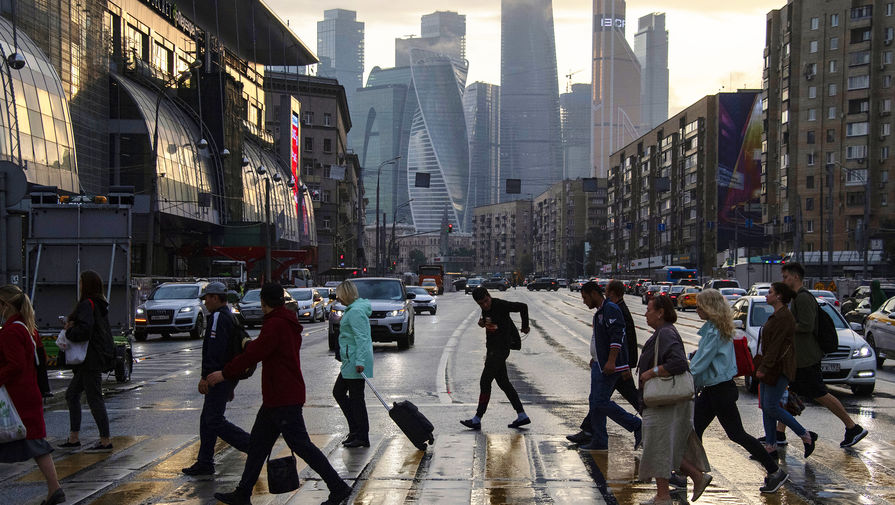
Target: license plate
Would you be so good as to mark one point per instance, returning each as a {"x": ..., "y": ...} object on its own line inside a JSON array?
[
  {"x": 159, "y": 318},
  {"x": 829, "y": 367},
  {"x": 374, "y": 322}
]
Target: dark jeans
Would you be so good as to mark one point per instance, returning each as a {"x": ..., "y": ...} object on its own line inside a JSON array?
[
  {"x": 720, "y": 400},
  {"x": 269, "y": 424},
  {"x": 496, "y": 369},
  {"x": 771, "y": 411},
  {"x": 349, "y": 394},
  {"x": 213, "y": 424},
  {"x": 91, "y": 383},
  {"x": 628, "y": 389},
  {"x": 602, "y": 406}
]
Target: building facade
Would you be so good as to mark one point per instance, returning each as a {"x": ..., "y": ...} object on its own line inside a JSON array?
[
  {"x": 651, "y": 48},
  {"x": 827, "y": 102},
  {"x": 502, "y": 237},
  {"x": 331, "y": 174},
  {"x": 481, "y": 104},
  {"x": 340, "y": 47},
  {"x": 616, "y": 102},
  {"x": 689, "y": 189},
  {"x": 530, "y": 129},
  {"x": 442, "y": 32},
  {"x": 576, "y": 131}
]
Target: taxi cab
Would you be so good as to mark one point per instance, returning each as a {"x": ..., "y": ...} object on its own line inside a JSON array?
[
  {"x": 687, "y": 299},
  {"x": 879, "y": 331},
  {"x": 430, "y": 286}
]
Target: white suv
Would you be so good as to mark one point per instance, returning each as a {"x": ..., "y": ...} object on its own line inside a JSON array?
[{"x": 172, "y": 307}]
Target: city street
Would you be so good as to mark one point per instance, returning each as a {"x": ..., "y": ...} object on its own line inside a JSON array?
[{"x": 155, "y": 422}]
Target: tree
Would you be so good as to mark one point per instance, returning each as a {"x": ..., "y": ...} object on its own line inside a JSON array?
[
  {"x": 417, "y": 258},
  {"x": 526, "y": 265},
  {"x": 599, "y": 249}
]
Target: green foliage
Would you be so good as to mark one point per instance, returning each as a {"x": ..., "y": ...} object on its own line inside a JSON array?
[{"x": 417, "y": 258}]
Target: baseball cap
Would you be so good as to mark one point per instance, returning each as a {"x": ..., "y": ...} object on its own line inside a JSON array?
[{"x": 215, "y": 288}]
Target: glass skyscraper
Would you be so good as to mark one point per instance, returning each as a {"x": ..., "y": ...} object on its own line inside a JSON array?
[
  {"x": 481, "y": 103},
  {"x": 443, "y": 32},
  {"x": 530, "y": 145},
  {"x": 575, "y": 111},
  {"x": 340, "y": 47},
  {"x": 651, "y": 48}
]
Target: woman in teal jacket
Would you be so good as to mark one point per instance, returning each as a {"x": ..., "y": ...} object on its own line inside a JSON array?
[{"x": 356, "y": 353}]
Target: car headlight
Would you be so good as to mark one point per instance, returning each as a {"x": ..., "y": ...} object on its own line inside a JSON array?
[
  {"x": 863, "y": 352},
  {"x": 140, "y": 311},
  {"x": 395, "y": 313},
  {"x": 186, "y": 309},
  {"x": 234, "y": 310},
  {"x": 337, "y": 313}
]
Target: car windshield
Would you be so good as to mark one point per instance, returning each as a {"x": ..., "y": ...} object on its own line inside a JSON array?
[
  {"x": 677, "y": 289},
  {"x": 429, "y": 282},
  {"x": 732, "y": 291},
  {"x": 175, "y": 293},
  {"x": 838, "y": 321},
  {"x": 417, "y": 290},
  {"x": 252, "y": 296},
  {"x": 301, "y": 294},
  {"x": 692, "y": 290},
  {"x": 473, "y": 282},
  {"x": 379, "y": 289},
  {"x": 725, "y": 284},
  {"x": 761, "y": 311}
]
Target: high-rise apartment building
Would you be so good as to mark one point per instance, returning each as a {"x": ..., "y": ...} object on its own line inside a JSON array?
[
  {"x": 576, "y": 131},
  {"x": 530, "y": 143},
  {"x": 340, "y": 47},
  {"x": 442, "y": 32},
  {"x": 481, "y": 103},
  {"x": 651, "y": 48},
  {"x": 827, "y": 103},
  {"x": 616, "y": 102},
  {"x": 502, "y": 236}
]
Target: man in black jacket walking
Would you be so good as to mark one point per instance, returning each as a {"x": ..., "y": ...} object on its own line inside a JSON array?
[
  {"x": 500, "y": 331},
  {"x": 216, "y": 350}
]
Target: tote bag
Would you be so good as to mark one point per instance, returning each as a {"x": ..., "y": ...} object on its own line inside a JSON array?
[
  {"x": 75, "y": 352},
  {"x": 669, "y": 390},
  {"x": 745, "y": 365},
  {"x": 282, "y": 475},
  {"x": 11, "y": 426}
]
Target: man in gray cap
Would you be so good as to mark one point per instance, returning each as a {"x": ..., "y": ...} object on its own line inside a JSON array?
[{"x": 216, "y": 349}]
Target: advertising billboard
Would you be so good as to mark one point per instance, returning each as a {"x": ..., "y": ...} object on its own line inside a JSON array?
[{"x": 739, "y": 169}]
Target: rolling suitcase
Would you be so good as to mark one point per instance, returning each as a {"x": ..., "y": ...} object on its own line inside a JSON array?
[{"x": 411, "y": 421}]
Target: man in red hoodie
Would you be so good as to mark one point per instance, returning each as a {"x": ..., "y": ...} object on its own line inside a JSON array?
[{"x": 277, "y": 348}]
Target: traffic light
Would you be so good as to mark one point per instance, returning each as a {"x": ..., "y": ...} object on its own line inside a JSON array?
[
  {"x": 451, "y": 228},
  {"x": 341, "y": 260}
]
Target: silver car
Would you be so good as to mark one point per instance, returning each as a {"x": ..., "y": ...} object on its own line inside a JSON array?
[
  {"x": 172, "y": 307},
  {"x": 309, "y": 304},
  {"x": 853, "y": 364},
  {"x": 423, "y": 301},
  {"x": 392, "y": 317}
]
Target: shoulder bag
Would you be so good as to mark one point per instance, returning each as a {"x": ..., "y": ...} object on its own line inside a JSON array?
[
  {"x": 282, "y": 475},
  {"x": 669, "y": 390}
]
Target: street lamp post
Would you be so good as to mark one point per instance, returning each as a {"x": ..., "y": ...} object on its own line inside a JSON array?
[{"x": 378, "y": 248}]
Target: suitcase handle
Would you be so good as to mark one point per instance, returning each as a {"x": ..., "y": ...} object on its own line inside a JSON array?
[{"x": 375, "y": 392}]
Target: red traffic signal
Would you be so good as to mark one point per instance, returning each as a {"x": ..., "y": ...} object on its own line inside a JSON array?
[{"x": 451, "y": 228}]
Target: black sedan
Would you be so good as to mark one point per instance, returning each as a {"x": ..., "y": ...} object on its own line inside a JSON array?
[{"x": 547, "y": 283}]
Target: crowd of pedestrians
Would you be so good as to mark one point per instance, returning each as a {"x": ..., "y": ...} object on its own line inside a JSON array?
[{"x": 670, "y": 432}]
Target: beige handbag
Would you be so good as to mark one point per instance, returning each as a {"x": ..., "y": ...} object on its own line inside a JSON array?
[{"x": 669, "y": 390}]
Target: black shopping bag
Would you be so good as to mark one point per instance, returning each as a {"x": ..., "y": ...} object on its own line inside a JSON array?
[{"x": 282, "y": 476}]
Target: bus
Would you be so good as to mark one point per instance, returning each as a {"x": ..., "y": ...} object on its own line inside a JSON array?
[
  {"x": 674, "y": 275},
  {"x": 432, "y": 272}
]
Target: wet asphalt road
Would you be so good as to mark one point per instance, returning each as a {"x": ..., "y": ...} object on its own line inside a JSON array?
[{"x": 154, "y": 419}]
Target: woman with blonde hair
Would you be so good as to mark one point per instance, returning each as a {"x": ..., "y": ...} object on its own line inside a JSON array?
[
  {"x": 18, "y": 372},
  {"x": 356, "y": 353},
  {"x": 713, "y": 367}
]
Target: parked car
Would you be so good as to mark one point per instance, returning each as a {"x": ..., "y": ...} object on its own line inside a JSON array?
[
  {"x": 879, "y": 331},
  {"x": 424, "y": 301},
  {"x": 732, "y": 294},
  {"x": 250, "y": 307},
  {"x": 576, "y": 284},
  {"x": 853, "y": 364},
  {"x": 498, "y": 283},
  {"x": 473, "y": 283},
  {"x": 828, "y": 296},
  {"x": 721, "y": 283},
  {"x": 759, "y": 289},
  {"x": 547, "y": 283},
  {"x": 309, "y": 304},
  {"x": 172, "y": 307},
  {"x": 430, "y": 285},
  {"x": 392, "y": 317},
  {"x": 687, "y": 300},
  {"x": 675, "y": 292}
]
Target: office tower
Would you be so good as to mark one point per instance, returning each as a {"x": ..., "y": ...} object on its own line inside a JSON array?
[
  {"x": 651, "y": 48},
  {"x": 616, "y": 103},
  {"x": 827, "y": 105},
  {"x": 481, "y": 102},
  {"x": 443, "y": 32},
  {"x": 340, "y": 47},
  {"x": 576, "y": 131},
  {"x": 530, "y": 144}
]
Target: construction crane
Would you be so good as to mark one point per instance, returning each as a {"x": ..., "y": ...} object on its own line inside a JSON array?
[{"x": 569, "y": 79}]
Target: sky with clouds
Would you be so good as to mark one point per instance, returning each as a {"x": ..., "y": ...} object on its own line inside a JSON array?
[{"x": 713, "y": 45}]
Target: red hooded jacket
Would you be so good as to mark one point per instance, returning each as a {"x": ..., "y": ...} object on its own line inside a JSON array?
[{"x": 277, "y": 348}]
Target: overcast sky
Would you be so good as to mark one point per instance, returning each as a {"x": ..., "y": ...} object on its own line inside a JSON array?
[{"x": 712, "y": 44}]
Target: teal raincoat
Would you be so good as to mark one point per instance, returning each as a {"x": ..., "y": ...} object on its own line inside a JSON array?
[{"x": 355, "y": 341}]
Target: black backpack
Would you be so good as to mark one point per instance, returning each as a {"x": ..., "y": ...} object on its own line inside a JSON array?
[
  {"x": 238, "y": 341},
  {"x": 825, "y": 332}
]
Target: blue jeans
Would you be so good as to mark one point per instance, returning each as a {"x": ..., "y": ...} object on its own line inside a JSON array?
[
  {"x": 601, "y": 406},
  {"x": 213, "y": 424},
  {"x": 771, "y": 411},
  {"x": 269, "y": 424}
]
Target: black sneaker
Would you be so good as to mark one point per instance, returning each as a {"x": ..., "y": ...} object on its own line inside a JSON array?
[
  {"x": 773, "y": 481},
  {"x": 518, "y": 423},
  {"x": 853, "y": 436},
  {"x": 233, "y": 498},
  {"x": 356, "y": 442},
  {"x": 99, "y": 447},
  {"x": 469, "y": 423},
  {"x": 781, "y": 438},
  {"x": 809, "y": 448},
  {"x": 338, "y": 496},
  {"x": 580, "y": 438},
  {"x": 198, "y": 469}
]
